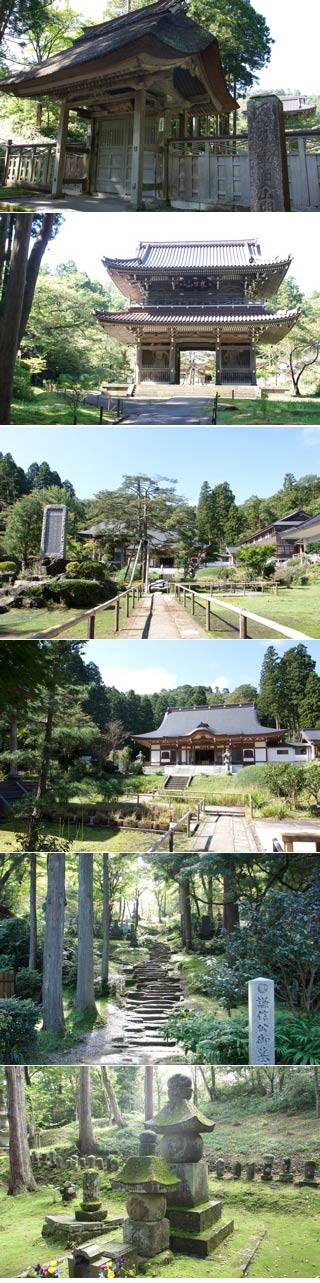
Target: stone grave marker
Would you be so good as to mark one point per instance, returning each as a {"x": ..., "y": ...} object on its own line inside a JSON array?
[
  {"x": 148, "y": 1179},
  {"x": 192, "y": 1214},
  {"x": 261, "y": 1022}
]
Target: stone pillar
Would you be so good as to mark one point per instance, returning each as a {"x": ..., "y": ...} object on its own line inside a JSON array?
[
  {"x": 268, "y": 163},
  {"x": 60, "y": 155},
  {"x": 261, "y": 1022},
  {"x": 267, "y": 1171},
  {"x": 138, "y": 148}
]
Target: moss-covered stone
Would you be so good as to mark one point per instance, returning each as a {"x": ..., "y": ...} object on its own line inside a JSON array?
[{"x": 147, "y": 1170}]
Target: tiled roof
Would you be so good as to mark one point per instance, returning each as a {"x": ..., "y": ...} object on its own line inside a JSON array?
[
  {"x": 310, "y": 734},
  {"x": 189, "y": 255},
  {"x": 229, "y": 719},
  {"x": 195, "y": 315}
]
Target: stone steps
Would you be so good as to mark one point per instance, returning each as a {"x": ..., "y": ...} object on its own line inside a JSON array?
[{"x": 155, "y": 992}]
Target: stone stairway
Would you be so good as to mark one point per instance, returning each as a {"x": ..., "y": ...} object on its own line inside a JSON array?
[
  {"x": 177, "y": 782},
  {"x": 155, "y": 991}
]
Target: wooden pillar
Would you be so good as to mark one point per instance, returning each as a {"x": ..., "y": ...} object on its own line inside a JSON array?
[
  {"x": 183, "y": 125},
  {"x": 253, "y": 363},
  {"x": 243, "y": 627},
  {"x": 172, "y": 360},
  {"x": 138, "y": 148},
  {"x": 60, "y": 155},
  {"x": 138, "y": 361},
  {"x": 208, "y": 616}
]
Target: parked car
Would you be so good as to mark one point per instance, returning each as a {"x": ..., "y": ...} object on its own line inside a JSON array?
[{"x": 159, "y": 585}]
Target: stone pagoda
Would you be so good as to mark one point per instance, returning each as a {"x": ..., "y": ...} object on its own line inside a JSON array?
[
  {"x": 193, "y": 1215},
  {"x": 211, "y": 296},
  {"x": 89, "y": 1217}
]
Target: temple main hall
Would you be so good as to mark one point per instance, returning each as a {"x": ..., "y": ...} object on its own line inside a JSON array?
[{"x": 211, "y": 297}]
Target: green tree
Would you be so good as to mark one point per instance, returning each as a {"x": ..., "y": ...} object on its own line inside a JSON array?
[
  {"x": 269, "y": 701},
  {"x": 309, "y": 712},
  {"x": 23, "y": 529},
  {"x": 243, "y": 35},
  {"x": 255, "y": 558}
]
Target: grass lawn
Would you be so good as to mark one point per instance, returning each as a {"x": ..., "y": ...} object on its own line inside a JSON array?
[
  {"x": 290, "y": 1217},
  {"x": 28, "y": 623},
  {"x": 51, "y": 407},
  {"x": 297, "y": 607},
  {"x": 82, "y": 838},
  {"x": 275, "y": 412}
]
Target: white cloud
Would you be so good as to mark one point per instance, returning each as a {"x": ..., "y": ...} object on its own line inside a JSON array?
[
  {"x": 311, "y": 435},
  {"x": 144, "y": 681},
  {"x": 223, "y": 683}
]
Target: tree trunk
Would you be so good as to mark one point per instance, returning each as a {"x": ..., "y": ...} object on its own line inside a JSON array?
[
  {"x": 85, "y": 1002},
  {"x": 4, "y": 223},
  {"x": 186, "y": 923},
  {"x": 12, "y": 311},
  {"x": 148, "y": 1093},
  {"x": 20, "y": 1170},
  {"x": 230, "y": 903},
  {"x": 33, "y": 913},
  {"x": 317, "y": 1089},
  {"x": 210, "y": 1083},
  {"x": 105, "y": 926},
  {"x": 33, "y": 833},
  {"x": 115, "y": 1113},
  {"x": 13, "y": 769},
  {"x": 53, "y": 1017},
  {"x": 33, "y": 267},
  {"x": 86, "y": 1137}
]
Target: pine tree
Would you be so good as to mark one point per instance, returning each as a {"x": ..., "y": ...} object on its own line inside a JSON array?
[{"x": 269, "y": 700}]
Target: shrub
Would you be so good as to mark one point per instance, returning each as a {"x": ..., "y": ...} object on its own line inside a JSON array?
[
  {"x": 82, "y": 593},
  {"x": 28, "y": 983},
  {"x": 17, "y": 1029},
  {"x": 298, "y": 1039},
  {"x": 8, "y": 566},
  {"x": 14, "y": 942},
  {"x": 22, "y": 389}
]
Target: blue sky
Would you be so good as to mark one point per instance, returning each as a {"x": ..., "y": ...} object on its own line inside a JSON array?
[
  {"x": 295, "y": 55},
  {"x": 252, "y": 460},
  {"x": 134, "y": 665},
  {"x": 87, "y": 238}
]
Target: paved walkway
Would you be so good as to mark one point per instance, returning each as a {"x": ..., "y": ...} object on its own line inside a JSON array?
[
  {"x": 225, "y": 834},
  {"x": 179, "y": 410},
  {"x": 159, "y": 617}
]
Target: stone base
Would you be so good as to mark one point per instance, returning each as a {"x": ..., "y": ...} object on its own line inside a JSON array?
[
  {"x": 148, "y": 1238},
  {"x": 285, "y": 1180},
  {"x": 81, "y": 1215},
  {"x": 67, "y": 1229},
  {"x": 195, "y": 1219},
  {"x": 152, "y": 1268},
  {"x": 193, "y": 1188},
  {"x": 308, "y": 1184},
  {"x": 201, "y": 1245},
  {"x": 88, "y": 1261}
]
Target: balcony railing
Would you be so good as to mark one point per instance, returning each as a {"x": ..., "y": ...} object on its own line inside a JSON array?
[
  {"x": 150, "y": 374},
  {"x": 235, "y": 376}
]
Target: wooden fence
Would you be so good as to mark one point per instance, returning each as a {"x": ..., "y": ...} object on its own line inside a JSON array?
[
  {"x": 7, "y": 984},
  {"x": 242, "y": 613},
  {"x": 90, "y": 615}
]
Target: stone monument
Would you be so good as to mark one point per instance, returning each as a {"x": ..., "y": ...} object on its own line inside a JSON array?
[
  {"x": 310, "y": 1168},
  {"x": 268, "y": 162},
  {"x": 90, "y": 1216},
  {"x": 4, "y": 1124},
  {"x": 192, "y": 1214},
  {"x": 148, "y": 1180},
  {"x": 261, "y": 1022},
  {"x": 267, "y": 1170},
  {"x": 286, "y": 1177},
  {"x": 54, "y": 535}
]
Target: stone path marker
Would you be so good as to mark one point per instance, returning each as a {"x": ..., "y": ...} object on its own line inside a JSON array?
[
  {"x": 148, "y": 1179},
  {"x": 192, "y": 1214},
  {"x": 269, "y": 178},
  {"x": 261, "y": 1022}
]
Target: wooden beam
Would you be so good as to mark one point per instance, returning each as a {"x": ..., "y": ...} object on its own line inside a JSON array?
[
  {"x": 138, "y": 149},
  {"x": 59, "y": 162}
]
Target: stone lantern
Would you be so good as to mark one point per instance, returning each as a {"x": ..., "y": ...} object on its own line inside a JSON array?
[{"x": 148, "y": 1180}]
